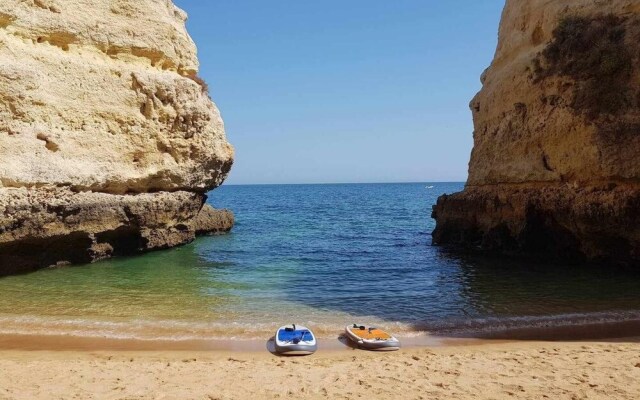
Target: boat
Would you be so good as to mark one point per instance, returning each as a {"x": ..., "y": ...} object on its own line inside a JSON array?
[
  {"x": 370, "y": 338},
  {"x": 295, "y": 340}
]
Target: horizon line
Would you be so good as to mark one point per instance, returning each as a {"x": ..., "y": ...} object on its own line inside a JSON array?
[{"x": 340, "y": 183}]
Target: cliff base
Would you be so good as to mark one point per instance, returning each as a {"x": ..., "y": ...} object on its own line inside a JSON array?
[
  {"x": 561, "y": 223},
  {"x": 47, "y": 227}
]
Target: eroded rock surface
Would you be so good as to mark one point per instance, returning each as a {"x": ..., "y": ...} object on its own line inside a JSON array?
[
  {"x": 555, "y": 169},
  {"x": 213, "y": 222},
  {"x": 102, "y": 116}
]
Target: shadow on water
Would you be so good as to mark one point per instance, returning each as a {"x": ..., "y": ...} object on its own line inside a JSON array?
[
  {"x": 482, "y": 297},
  {"x": 530, "y": 300}
]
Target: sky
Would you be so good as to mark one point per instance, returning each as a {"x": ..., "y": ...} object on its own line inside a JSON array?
[{"x": 339, "y": 91}]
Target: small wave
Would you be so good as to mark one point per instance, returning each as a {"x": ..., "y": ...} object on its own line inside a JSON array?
[
  {"x": 494, "y": 325},
  {"x": 180, "y": 330},
  {"x": 170, "y": 330}
]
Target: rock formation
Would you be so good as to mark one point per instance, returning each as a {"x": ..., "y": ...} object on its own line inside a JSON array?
[
  {"x": 555, "y": 169},
  {"x": 108, "y": 138},
  {"x": 213, "y": 222}
]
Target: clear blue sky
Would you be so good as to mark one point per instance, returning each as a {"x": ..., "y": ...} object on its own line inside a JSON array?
[{"x": 345, "y": 90}]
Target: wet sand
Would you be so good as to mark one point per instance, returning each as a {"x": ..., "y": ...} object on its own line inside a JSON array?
[
  {"x": 608, "y": 331},
  {"x": 468, "y": 370},
  {"x": 75, "y": 343}
]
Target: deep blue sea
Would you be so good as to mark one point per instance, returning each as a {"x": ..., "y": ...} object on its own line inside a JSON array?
[{"x": 320, "y": 255}]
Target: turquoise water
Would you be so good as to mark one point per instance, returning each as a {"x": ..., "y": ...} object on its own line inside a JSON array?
[{"x": 319, "y": 255}]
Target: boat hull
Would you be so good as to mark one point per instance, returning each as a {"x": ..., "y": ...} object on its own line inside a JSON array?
[
  {"x": 389, "y": 344},
  {"x": 297, "y": 342},
  {"x": 296, "y": 350}
]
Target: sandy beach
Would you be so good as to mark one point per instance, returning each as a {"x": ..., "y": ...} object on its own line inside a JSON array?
[{"x": 519, "y": 370}]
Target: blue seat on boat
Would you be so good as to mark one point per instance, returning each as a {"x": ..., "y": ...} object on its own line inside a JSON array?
[{"x": 288, "y": 336}]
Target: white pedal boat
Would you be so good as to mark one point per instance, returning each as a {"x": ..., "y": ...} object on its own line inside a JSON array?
[
  {"x": 295, "y": 340},
  {"x": 370, "y": 338}
]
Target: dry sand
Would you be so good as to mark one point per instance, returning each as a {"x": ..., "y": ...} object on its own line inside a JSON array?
[{"x": 522, "y": 370}]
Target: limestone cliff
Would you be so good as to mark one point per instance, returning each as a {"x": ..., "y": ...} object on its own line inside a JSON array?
[
  {"x": 555, "y": 169},
  {"x": 108, "y": 139}
]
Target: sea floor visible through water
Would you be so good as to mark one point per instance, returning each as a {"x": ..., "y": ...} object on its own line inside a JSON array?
[{"x": 324, "y": 256}]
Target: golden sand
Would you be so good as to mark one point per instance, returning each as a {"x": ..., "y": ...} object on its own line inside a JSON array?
[{"x": 516, "y": 370}]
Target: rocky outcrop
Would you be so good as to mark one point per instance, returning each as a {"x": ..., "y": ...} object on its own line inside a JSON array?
[
  {"x": 555, "y": 169},
  {"x": 108, "y": 138},
  {"x": 213, "y": 222}
]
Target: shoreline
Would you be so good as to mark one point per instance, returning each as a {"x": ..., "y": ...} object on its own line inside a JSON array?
[
  {"x": 64, "y": 343},
  {"x": 595, "y": 332}
]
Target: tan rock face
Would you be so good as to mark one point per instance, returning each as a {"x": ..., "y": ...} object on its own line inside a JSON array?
[
  {"x": 527, "y": 124},
  {"x": 213, "y": 222},
  {"x": 97, "y": 95},
  {"x": 557, "y": 134},
  {"x": 102, "y": 96}
]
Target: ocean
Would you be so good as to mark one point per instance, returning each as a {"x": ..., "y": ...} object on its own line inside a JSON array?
[{"x": 320, "y": 255}]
